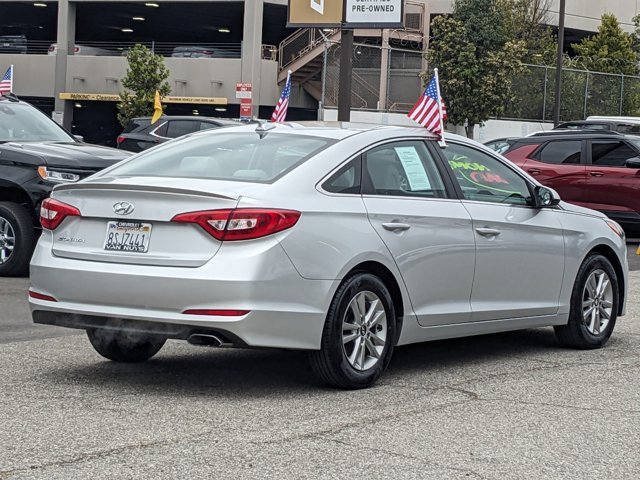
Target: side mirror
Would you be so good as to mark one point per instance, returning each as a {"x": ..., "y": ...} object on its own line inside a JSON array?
[
  {"x": 545, "y": 197},
  {"x": 633, "y": 162},
  {"x": 79, "y": 138}
]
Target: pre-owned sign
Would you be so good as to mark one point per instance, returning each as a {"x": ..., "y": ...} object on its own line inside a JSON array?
[{"x": 373, "y": 13}]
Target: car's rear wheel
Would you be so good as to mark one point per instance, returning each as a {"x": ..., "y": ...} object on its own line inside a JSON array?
[
  {"x": 359, "y": 334},
  {"x": 17, "y": 238},
  {"x": 594, "y": 305},
  {"x": 124, "y": 346}
]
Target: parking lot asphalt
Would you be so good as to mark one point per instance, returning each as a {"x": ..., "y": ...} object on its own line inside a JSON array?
[{"x": 511, "y": 405}]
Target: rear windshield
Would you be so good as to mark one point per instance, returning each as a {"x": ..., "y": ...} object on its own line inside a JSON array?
[{"x": 225, "y": 156}]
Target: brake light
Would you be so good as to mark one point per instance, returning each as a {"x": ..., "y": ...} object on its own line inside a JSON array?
[
  {"x": 241, "y": 223},
  {"x": 53, "y": 212},
  {"x": 120, "y": 139},
  {"x": 41, "y": 296},
  {"x": 219, "y": 313}
]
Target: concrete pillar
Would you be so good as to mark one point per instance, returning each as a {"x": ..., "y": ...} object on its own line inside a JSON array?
[
  {"x": 384, "y": 71},
  {"x": 252, "y": 49},
  {"x": 66, "y": 39},
  {"x": 426, "y": 32}
]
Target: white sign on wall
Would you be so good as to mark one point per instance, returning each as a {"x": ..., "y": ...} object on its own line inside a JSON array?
[{"x": 373, "y": 13}]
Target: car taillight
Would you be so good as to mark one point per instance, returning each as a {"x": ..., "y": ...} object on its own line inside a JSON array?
[
  {"x": 120, "y": 139},
  {"x": 241, "y": 223},
  {"x": 53, "y": 212}
]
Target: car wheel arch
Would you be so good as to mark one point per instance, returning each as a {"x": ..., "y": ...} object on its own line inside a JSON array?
[
  {"x": 15, "y": 194},
  {"x": 390, "y": 281},
  {"x": 607, "y": 252}
]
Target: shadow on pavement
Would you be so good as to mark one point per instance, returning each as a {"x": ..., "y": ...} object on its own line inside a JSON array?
[{"x": 194, "y": 371}]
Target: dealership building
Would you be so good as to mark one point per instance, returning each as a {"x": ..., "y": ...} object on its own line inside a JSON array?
[{"x": 69, "y": 56}]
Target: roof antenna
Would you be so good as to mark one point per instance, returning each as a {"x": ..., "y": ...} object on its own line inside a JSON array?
[{"x": 264, "y": 128}]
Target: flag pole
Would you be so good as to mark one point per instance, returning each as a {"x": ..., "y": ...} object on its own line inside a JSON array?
[
  {"x": 13, "y": 74},
  {"x": 442, "y": 141}
]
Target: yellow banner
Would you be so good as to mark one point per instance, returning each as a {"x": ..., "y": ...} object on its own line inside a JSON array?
[{"x": 107, "y": 97}]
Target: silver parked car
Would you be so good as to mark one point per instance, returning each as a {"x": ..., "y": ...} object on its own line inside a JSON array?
[{"x": 345, "y": 240}]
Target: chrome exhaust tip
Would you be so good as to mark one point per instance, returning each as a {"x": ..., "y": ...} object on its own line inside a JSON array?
[{"x": 204, "y": 340}]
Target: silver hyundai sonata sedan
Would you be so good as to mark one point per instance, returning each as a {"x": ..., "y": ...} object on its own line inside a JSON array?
[{"x": 341, "y": 239}]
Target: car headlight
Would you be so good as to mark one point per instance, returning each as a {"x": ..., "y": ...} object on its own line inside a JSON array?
[
  {"x": 57, "y": 176},
  {"x": 615, "y": 226}
]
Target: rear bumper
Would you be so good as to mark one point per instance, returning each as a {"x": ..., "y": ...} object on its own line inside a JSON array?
[{"x": 285, "y": 310}]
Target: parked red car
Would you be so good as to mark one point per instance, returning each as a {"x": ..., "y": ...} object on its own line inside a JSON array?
[{"x": 598, "y": 170}]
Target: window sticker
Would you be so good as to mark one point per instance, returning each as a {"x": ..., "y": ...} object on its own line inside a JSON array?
[{"x": 413, "y": 168}]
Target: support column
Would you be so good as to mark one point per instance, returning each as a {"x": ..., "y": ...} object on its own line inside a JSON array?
[
  {"x": 346, "y": 69},
  {"x": 384, "y": 71},
  {"x": 66, "y": 39},
  {"x": 252, "y": 49},
  {"x": 426, "y": 32}
]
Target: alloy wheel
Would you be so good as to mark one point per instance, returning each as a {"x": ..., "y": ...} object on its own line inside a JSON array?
[
  {"x": 597, "y": 302},
  {"x": 7, "y": 240},
  {"x": 364, "y": 330}
]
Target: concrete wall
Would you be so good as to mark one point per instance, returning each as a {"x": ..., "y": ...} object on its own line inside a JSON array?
[
  {"x": 490, "y": 130},
  {"x": 580, "y": 15},
  {"x": 33, "y": 75},
  {"x": 205, "y": 77}
]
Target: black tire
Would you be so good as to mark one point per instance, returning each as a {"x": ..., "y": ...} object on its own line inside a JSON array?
[
  {"x": 331, "y": 363},
  {"x": 124, "y": 347},
  {"x": 19, "y": 221},
  {"x": 576, "y": 333}
]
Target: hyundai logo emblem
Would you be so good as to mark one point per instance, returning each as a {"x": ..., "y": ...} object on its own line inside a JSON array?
[{"x": 123, "y": 208}]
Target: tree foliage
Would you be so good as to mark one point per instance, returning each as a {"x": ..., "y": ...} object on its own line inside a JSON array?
[
  {"x": 611, "y": 50},
  {"x": 477, "y": 56},
  {"x": 146, "y": 74}
]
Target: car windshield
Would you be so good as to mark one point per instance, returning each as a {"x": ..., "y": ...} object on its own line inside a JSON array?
[
  {"x": 23, "y": 123},
  {"x": 226, "y": 156}
]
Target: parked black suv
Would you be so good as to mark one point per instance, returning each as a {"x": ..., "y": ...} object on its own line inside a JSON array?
[
  {"x": 139, "y": 134},
  {"x": 35, "y": 155}
]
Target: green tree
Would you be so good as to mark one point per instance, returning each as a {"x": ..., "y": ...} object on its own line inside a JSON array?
[
  {"x": 477, "y": 58},
  {"x": 611, "y": 50},
  {"x": 146, "y": 74}
]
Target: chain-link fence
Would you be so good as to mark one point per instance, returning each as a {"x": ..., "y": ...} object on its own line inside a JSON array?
[
  {"x": 388, "y": 79},
  {"x": 583, "y": 93}
]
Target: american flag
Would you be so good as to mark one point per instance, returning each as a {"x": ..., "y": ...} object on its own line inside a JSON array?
[
  {"x": 280, "y": 112},
  {"x": 6, "y": 84},
  {"x": 427, "y": 111}
]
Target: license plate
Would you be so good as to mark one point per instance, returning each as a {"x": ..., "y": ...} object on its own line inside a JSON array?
[{"x": 127, "y": 236}]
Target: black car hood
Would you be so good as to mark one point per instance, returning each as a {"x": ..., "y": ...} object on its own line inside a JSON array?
[{"x": 69, "y": 155}]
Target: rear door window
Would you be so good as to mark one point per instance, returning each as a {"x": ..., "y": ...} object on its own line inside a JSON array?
[
  {"x": 404, "y": 169},
  {"x": 561, "y": 152},
  {"x": 607, "y": 153},
  {"x": 177, "y": 128}
]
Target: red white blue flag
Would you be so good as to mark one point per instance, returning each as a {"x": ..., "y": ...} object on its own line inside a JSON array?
[
  {"x": 428, "y": 111},
  {"x": 6, "y": 84},
  {"x": 280, "y": 112}
]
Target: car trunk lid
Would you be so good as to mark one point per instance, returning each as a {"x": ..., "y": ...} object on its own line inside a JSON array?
[{"x": 128, "y": 221}]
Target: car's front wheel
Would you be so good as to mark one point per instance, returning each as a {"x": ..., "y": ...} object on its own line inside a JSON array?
[
  {"x": 359, "y": 334},
  {"x": 123, "y": 346},
  {"x": 17, "y": 238},
  {"x": 594, "y": 305}
]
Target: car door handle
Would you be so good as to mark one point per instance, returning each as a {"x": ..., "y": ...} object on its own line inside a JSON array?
[
  {"x": 534, "y": 171},
  {"x": 395, "y": 226},
  {"x": 596, "y": 174},
  {"x": 488, "y": 232}
]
